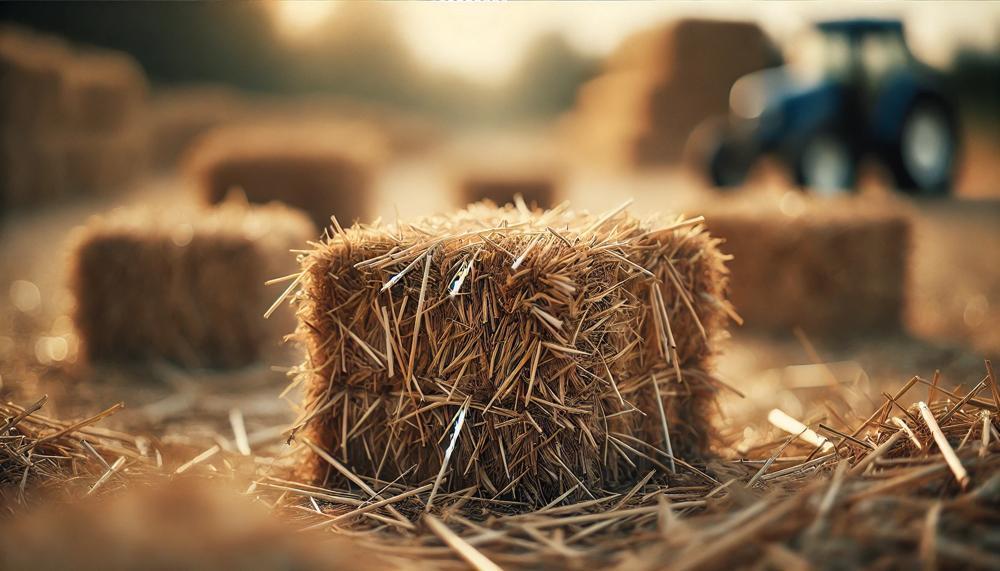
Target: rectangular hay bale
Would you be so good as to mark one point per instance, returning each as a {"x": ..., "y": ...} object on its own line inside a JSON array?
[
  {"x": 661, "y": 84},
  {"x": 72, "y": 120},
  {"x": 322, "y": 171},
  {"x": 554, "y": 331},
  {"x": 32, "y": 80},
  {"x": 836, "y": 268},
  {"x": 536, "y": 190},
  {"x": 184, "y": 287},
  {"x": 105, "y": 92},
  {"x": 101, "y": 163}
]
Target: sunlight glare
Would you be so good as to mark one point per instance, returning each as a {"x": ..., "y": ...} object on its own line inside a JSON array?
[{"x": 300, "y": 17}]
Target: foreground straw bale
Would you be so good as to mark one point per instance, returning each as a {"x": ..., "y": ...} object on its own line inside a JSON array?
[
  {"x": 531, "y": 346},
  {"x": 186, "y": 287},
  {"x": 323, "y": 170},
  {"x": 833, "y": 268}
]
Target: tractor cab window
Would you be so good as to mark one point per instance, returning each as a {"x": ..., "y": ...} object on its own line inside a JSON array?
[
  {"x": 818, "y": 56},
  {"x": 882, "y": 53}
]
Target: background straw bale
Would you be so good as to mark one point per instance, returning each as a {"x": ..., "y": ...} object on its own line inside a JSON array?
[
  {"x": 836, "y": 268},
  {"x": 660, "y": 85},
  {"x": 186, "y": 287},
  {"x": 322, "y": 169}
]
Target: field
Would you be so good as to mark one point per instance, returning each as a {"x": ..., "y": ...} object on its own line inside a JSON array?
[
  {"x": 276, "y": 328},
  {"x": 950, "y": 329}
]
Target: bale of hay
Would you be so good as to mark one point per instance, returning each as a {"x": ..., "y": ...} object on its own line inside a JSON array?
[
  {"x": 31, "y": 87},
  {"x": 832, "y": 267},
  {"x": 180, "y": 115},
  {"x": 520, "y": 353},
  {"x": 98, "y": 163},
  {"x": 184, "y": 287},
  {"x": 71, "y": 120},
  {"x": 323, "y": 170},
  {"x": 33, "y": 171},
  {"x": 32, "y": 79},
  {"x": 105, "y": 91},
  {"x": 499, "y": 168},
  {"x": 661, "y": 84},
  {"x": 538, "y": 190}
]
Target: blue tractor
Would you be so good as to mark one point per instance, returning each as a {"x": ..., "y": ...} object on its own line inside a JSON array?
[{"x": 853, "y": 92}]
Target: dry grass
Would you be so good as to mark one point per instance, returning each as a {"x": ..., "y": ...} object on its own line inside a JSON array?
[
  {"x": 186, "y": 287},
  {"x": 553, "y": 352}
]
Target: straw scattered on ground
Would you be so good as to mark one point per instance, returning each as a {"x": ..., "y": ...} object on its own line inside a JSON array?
[{"x": 896, "y": 486}]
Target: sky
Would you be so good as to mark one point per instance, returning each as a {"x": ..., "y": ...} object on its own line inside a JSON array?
[{"x": 485, "y": 41}]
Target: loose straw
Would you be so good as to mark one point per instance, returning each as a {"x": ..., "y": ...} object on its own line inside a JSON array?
[{"x": 946, "y": 450}]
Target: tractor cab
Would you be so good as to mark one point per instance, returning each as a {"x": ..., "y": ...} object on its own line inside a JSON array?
[
  {"x": 858, "y": 50},
  {"x": 851, "y": 90}
]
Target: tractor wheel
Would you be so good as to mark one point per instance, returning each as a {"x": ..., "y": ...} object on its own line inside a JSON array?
[
  {"x": 720, "y": 152},
  {"x": 922, "y": 162},
  {"x": 826, "y": 165},
  {"x": 728, "y": 165}
]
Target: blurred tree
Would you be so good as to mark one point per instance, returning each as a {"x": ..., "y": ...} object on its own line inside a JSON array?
[
  {"x": 548, "y": 78},
  {"x": 228, "y": 42},
  {"x": 357, "y": 51}
]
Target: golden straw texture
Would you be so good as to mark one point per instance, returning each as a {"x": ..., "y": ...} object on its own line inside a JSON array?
[{"x": 518, "y": 353}]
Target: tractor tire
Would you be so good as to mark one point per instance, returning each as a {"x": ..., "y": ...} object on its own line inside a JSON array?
[
  {"x": 922, "y": 161},
  {"x": 826, "y": 164},
  {"x": 728, "y": 165}
]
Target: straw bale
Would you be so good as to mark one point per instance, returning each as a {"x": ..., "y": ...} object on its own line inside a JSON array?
[
  {"x": 661, "y": 84},
  {"x": 324, "y": 170},
  {"x": 832, "y": 267},
  {"x": 538, "y": 190},
  {"x": 31, "y": 79},
  {"x": 497, "y": 168},
  {"x": 551, "y": 343},
  {"x": 105, "y": 91},
  {"x": 34, "y": 170},
  {"x": 102, "y": 162},
  {"x": 71, "y": 119},
  {"x": 186, "y": 287},
  {"x": 710, "y": 51},
  {"x": 179, "y": 116}
]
